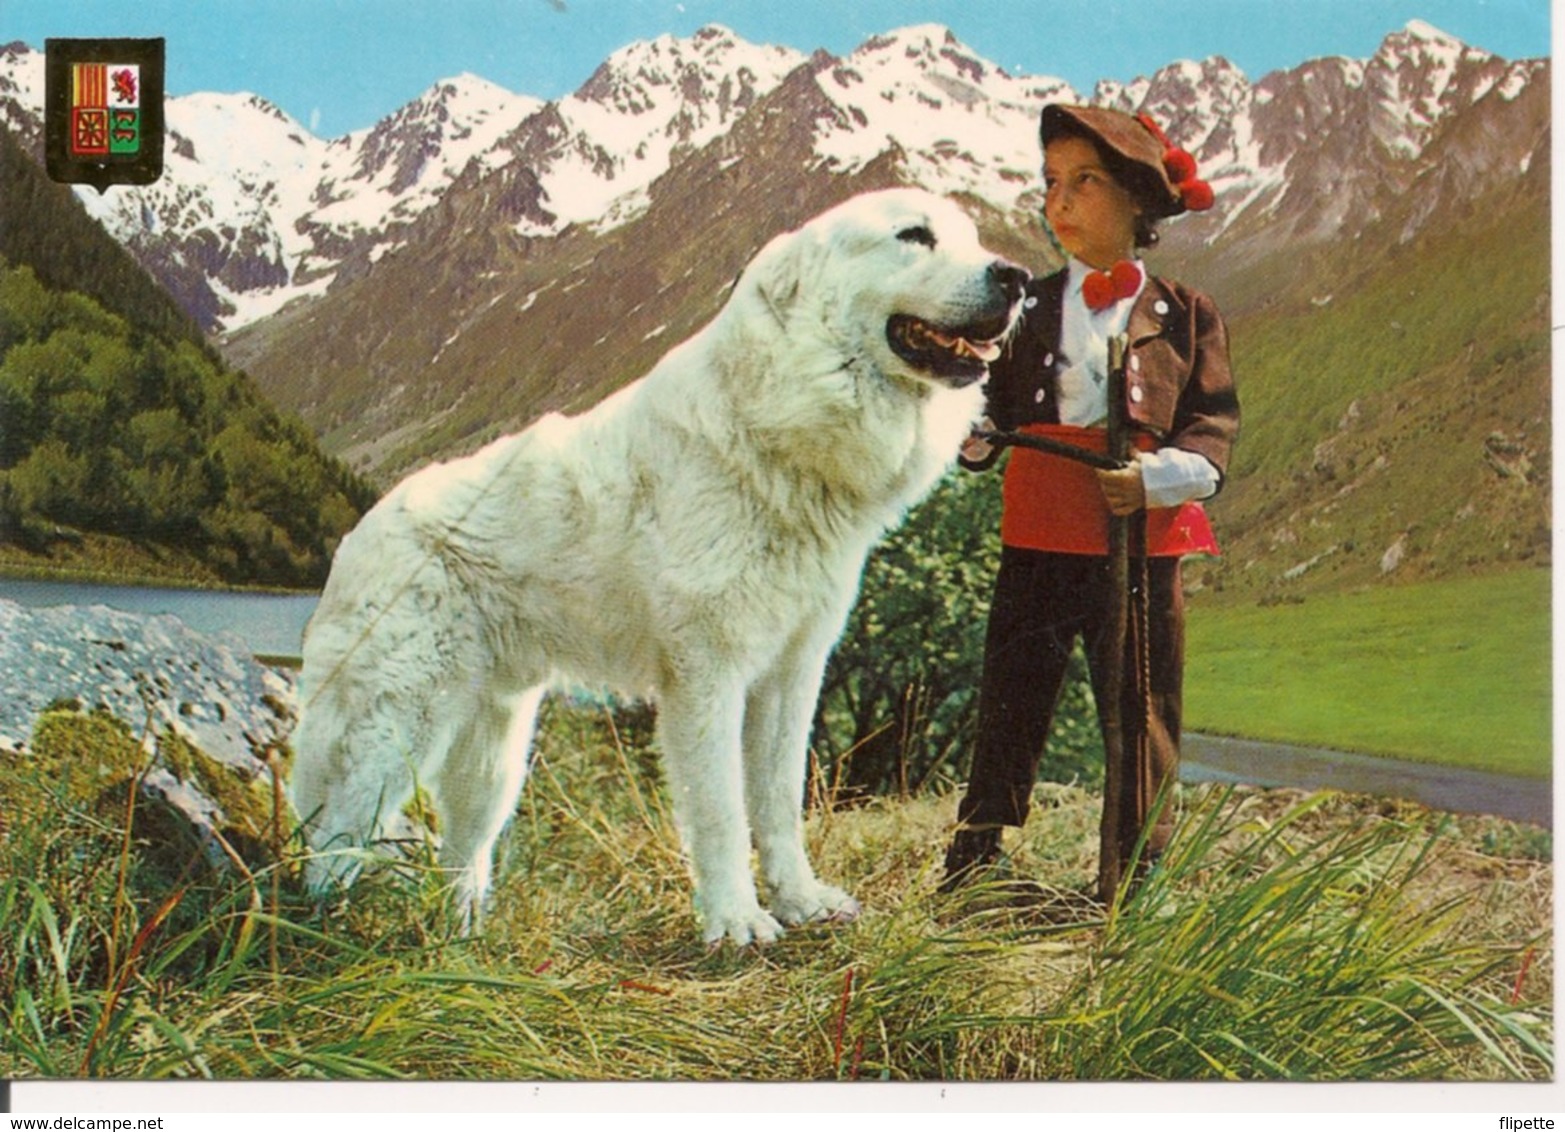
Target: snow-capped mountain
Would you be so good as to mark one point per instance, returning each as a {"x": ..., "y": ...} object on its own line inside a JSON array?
[
  {"x": 254, "y": 211},
  {"x": 1336, "y": 140},
  {"x": 375, "y": 182},
  {"x": 595, "y": 152},
  {"x": 219, "y": 226},
  {"x": 1420, "y": 77},
  {"x": 21, "y": 94},
  {"x": 962, "y": 124}
]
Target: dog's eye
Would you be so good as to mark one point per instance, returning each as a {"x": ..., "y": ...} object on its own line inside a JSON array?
[{"x": 918, "y": 234}]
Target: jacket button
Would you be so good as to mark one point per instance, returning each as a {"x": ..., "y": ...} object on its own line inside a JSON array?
[
  {"x": 1160, "y": 306},
  {"x": 1135, "y": 362},
  {"x": 1029, "y": 302},
  {"x": 1048, "y": 359},
  {"x": 1039, "y": 396},
  {"x": 1136, "y": 394}
]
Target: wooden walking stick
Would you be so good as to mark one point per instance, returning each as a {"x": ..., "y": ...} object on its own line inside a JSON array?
[
  {"x": 1123, "y": 737},
  {"x": 1129, "y": 793}
]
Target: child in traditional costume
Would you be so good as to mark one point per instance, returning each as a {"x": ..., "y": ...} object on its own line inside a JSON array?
[{"x": 1109, "y": 177}]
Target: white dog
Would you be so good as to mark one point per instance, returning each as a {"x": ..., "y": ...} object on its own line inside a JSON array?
[{"x": 697, "y": 538}]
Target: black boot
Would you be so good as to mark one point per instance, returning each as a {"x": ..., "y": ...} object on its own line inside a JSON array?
[{"x": 972, "y": 851}]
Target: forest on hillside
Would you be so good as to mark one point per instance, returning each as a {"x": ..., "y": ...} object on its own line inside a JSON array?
[
  {"x": 121, "y": 426},
  {"x": 107, "y": 428}
]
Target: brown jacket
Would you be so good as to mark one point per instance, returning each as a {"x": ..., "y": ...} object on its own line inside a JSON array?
[{"x": 1179, "y": 387}]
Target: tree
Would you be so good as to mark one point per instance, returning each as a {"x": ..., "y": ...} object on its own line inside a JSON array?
[
  {"x": 54, "y": 482},
  {"x": 115, "y": 430},
  {"x": 899, "y": 704}
]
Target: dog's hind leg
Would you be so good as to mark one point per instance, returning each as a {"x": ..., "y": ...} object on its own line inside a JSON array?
[
  {"x": 779, "y": 712},
  {"x": 699, "y": 725},
  {"x": 476, "y": 788}
]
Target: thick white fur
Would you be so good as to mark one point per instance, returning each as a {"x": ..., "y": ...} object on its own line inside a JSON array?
[{"x": 697, "y": 538}]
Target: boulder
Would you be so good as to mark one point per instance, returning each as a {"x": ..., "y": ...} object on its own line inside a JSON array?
[{"x": 92, "y": 699}]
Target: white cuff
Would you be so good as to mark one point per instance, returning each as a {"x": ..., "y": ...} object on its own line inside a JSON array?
[{"x": 1173, "y": 476}]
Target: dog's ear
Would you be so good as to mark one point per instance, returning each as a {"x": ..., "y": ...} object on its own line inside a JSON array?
[{"x": 780, "y": 270}]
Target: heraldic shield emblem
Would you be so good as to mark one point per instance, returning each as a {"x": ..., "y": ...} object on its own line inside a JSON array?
[{"x": 103, "y": 111}]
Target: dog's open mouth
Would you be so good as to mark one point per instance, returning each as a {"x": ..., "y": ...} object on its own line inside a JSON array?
[{"x": 957, "y": 356}]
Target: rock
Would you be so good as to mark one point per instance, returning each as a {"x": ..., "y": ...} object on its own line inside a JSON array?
[
  {"x": 194, "y": 716},
  {"x": 1394, "y": 554}
]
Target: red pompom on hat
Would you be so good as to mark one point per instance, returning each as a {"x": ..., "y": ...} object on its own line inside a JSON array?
[
  {"x": 1162, "y": 176},
  {"x": 1198, "y": 195},
  {"x": 1180, "y": 166}
]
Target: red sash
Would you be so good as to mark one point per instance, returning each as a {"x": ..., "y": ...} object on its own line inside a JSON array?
[{"x": 1054, "y": 503}]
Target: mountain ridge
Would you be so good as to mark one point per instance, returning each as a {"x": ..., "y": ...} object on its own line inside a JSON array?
[
  {"x": 560, "y": 261},
  {"x": 308, "y": 214}
]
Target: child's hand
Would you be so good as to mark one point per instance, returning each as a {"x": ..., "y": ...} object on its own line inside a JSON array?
[{"x": 1122, "y": 488}]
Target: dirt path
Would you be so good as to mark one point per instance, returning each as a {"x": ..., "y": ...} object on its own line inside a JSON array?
[{"x": 1209, "y": 758}]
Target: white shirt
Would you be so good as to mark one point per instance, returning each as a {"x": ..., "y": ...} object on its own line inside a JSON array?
[{"x": 1171, "y": 475}]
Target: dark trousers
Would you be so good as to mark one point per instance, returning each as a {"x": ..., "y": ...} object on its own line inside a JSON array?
[{"x": 1043, "y": 603}]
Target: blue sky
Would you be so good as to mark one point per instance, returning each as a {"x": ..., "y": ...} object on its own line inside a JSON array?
[{"x": 337, "y": 65}]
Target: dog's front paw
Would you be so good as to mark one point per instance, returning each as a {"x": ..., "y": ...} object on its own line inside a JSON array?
[
  {"x": 742, "y": 926},
  {"x": 815, "y": 903}
]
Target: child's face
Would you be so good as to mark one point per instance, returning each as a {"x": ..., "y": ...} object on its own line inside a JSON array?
[{"x": 1092, "y": 215}]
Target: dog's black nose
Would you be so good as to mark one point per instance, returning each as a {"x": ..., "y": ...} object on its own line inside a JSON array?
[{"x": 1009, "y": 278}]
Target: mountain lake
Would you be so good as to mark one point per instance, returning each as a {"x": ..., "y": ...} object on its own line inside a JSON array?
[{"x": 268, "y": 624}]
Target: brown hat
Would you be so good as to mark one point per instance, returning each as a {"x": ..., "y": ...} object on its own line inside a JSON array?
[{"x": 1159, "y": 175}]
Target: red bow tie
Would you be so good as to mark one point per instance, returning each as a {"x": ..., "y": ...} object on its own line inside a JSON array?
[{"x": 1102, "y": 289}]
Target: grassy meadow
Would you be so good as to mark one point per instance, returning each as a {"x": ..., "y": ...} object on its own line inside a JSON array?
[
  {"x": 1284, "y": 937},
  {"x": 1454, "y": 672}
]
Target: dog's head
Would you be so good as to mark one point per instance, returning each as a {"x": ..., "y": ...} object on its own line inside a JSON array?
[{"x": 898, "y": 278}]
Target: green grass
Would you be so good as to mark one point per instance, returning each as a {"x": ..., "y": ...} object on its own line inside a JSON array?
[
  {"x": 1453, "y": 672},
  {"x": 1408, "y": 311},
  {"x": 93, "y": 558},
  {"x": 1283, "y": 949},
  {"x": 1281, "y": 938}
]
